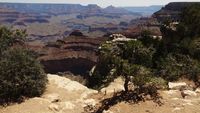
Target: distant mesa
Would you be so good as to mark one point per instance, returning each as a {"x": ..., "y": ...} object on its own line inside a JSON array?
[
  {"x": 112, "y": 9},
  {"x": 122, "y": 23},
  {"x": 35, "y": 20},
  {"x": 20, "y": 23},
  {"x": 76, "y": 33},
  {"x": 145, "y": 10},
  {"x": 62, "y": 8}
]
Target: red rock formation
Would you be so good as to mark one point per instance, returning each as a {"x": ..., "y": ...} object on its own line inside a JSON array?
[
  {"x": 76, "y": 33},
  {"x": 77, "y": 55}
]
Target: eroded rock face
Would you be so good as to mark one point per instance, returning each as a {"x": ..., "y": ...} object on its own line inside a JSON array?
[
  {"x": 74, "y": 54},
  {"x": 74, "y": 65},
  {"x": 76, "y": 33},
  {"x": 172, "y": 11}
]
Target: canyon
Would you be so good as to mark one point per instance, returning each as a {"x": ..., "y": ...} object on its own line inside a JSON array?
[
  {"x": 49, "y": 22},
  {"x": 66, "y": 39}
]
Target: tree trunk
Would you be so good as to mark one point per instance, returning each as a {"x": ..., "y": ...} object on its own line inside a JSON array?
[{"x": 126, "y": 84}]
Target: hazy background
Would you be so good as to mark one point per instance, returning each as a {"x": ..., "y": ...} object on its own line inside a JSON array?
[{"x": 104, "y": 3}]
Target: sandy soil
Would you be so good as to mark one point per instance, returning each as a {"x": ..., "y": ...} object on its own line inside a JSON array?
[{"x": 173, "y": 103}]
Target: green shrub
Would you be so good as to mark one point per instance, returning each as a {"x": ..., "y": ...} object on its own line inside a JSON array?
[
  {"x": 131, "y": 60},
  {"x": 148, "y": 40},
  {"x": 190, "y": 21},
  {"x": 10, "y": 37},
  {"x": 174, "y": 66},
  {"x": 21, "y": 75},
  {"x": 139, "y": 75},
  {"x": 137, "y": 53},
  {"x": 104, "y": 72},
  {"x": 194, "y": 48},
  {"x": 158, "y": 82}
]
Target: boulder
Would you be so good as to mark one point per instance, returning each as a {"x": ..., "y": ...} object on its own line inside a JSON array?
[
  {"x": 172, "y": 93},
  {"x": 197, "y": 90},
  {"x": 66, "y": 83},
  {"x": 54, "y": 107},
  {"x": 176, "y": 109},
  {"x": 189, "y": 93},
  {"x": 108, "y": 111},
  {"x": 177, "y": 86},
  {"x": 91, "y": 102},
  {"x": 115, "y": 86},
  {"x": 66, "y": 105}
]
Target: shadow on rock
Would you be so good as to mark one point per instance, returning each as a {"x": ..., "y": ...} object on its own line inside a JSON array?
[{"x": 132, "y": 97}]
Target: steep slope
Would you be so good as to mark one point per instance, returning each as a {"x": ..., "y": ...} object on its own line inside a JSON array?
[
  {"x": 172, "y": 11},
  {"x": 75, "y": 54}
]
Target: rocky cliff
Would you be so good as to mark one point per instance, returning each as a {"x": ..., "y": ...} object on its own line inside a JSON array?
[
  {"x": 75, "y": 54},
  {"x": 172, "y": 11}
]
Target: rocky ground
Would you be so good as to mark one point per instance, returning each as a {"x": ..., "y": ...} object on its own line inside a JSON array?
[
  {"x": 172, "y": 103},
  {"x": 66, "y": 96}
]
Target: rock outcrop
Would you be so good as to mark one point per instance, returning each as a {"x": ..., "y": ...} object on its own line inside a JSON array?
[
  {"x": 172, "y": 11},
  {"x": 176, "y": 86},
  {"x": 66, "y": 96},
  {"x": 115, "y": 86},
  {"x": 61, "y": 96},
  {"x": 74, "y": 54}
]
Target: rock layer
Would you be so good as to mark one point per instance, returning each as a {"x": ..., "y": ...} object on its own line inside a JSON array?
[{"x": 74, "y": 54}]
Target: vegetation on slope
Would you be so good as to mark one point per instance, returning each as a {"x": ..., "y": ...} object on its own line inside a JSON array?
[
  {"x": 180, "y": 45},
  {"x": 152, "y": 62},
  {"x": 21, "y": 75}
]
